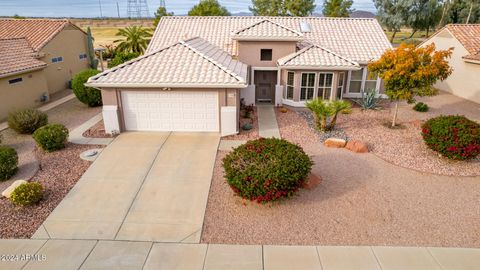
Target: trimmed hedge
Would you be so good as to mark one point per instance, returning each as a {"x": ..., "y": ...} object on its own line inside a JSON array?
[
  {"x": 455, "y": 137},
  {"x": 8, "y": 162},
  {"x": 27, "y": 194},
  {"x": 87, "y": 95},
  {"x": 421, "y": 107},
  {"x": 51, "y": 137},
  {"x": 266, "y": 170},
  {"x": 26, "y": 121}
]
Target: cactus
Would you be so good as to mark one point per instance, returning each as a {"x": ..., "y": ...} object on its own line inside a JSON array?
[{"x": 91, "y": 51}]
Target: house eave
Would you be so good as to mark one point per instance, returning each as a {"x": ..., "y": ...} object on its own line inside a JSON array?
[
  {"x": 23, "y": 71},
  {"x": 318, "y": 68},
  {"x": 163, "y": 85},
  {"x": 472, "y": 61}
]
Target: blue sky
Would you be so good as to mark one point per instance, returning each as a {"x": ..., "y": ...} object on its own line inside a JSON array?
[{"x": 90, "y": 8}]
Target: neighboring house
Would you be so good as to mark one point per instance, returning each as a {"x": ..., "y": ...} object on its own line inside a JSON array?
[
  {"x": 465, "y": 39},
  {"x": 38, "y": 58},
  {"x": 196, "y": 70}
]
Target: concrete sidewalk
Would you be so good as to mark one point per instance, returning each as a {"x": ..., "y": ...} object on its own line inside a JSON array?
[
  {"x": 267, "y": 122},
  {"x": 93, "y": 254},
  {"x": 142, "y": 187}
]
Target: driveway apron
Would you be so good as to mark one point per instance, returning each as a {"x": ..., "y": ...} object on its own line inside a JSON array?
[{"x": 143, "y": 186}]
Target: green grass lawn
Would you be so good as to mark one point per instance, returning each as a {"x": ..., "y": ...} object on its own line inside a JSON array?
[{"x": 404, "y": 34}]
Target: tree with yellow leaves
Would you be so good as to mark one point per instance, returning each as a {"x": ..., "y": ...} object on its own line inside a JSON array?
[{"x": 408, "y": 72}]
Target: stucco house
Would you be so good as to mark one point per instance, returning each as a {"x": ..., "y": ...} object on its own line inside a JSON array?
[
  {"x": 197, "y": 70},
  {"x": 465, "y": 39},
  {"x": 38, "y": 58}
]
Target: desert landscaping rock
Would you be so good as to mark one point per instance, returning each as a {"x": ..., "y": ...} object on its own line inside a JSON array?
[
  {"x": 58, "y": 174},
  {"x": 335, "y": 133},
  {"x": 335, "y": 143},
  {"x": 312, "y": 181},
  {"x": 97, "y": 131},
  {"x": 357, "y": 146},
  {"x": 8, "y": 191},
  {"x": 246, "y": 135}
]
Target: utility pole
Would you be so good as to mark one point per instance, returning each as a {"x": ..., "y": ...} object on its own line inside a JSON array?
[
  {"x": 118, "y": 11},
  {"x": 100, "y": 5}
]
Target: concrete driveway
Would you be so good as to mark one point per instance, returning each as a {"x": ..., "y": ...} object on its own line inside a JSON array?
[{"x": 143, "y": 186}]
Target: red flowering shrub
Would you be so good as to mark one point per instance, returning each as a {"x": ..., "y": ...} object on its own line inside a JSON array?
[
  {"x": 266, "y": 170},
  {"x": 455, "y": 137}
]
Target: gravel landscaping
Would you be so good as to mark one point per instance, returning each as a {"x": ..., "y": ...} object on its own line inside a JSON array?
[
  {"x": 361, "y": 200},
  {"x": 403, "y": 146},
  {"x": 97, "y": 131},
  {"x": 59, "y": 171},
  {"x": 246, "y": 135},
  {"x": 72, "y": 114}
]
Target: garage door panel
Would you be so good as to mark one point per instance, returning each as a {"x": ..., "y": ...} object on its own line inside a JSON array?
[{"x": 171, "y": 111}]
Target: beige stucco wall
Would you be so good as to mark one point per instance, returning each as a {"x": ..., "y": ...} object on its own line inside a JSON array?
[
  {"x": 249, "y": 51},
  {"x": 24, "y": 94},
  {"x": 69, "y": 44},
  {"x": 465, "y": 79}
]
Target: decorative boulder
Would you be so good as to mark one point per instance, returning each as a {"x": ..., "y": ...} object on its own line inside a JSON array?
[
  {"x": 8, "y": 191},
  {"x": 335, "y": 143},
  {"x": 357, "y": 146}
]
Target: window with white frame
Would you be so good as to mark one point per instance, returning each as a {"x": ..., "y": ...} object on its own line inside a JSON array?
[
  {"x": 57, "y": 59},
  {"x": 290, "y": 85},
  {"x": 341, "y": 83},
  {"x": 325, "y": 83},
  {"x": 307, "y": 87},
  {"x": 356, "y": 78},
  {"x": 370, "y": 82}
]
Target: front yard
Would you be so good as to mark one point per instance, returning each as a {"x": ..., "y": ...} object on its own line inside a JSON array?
[
  {"x": 407, "y": 197},
  {"x": 57, "y": 171}
]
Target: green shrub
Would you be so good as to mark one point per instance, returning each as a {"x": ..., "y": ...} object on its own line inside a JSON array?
[
  {"x": 87, "y": 95},
  {"x": 8, "y": 162},
  {"x": 455, "y": 137},
  {"x": 266, "y": 169},
  {"x": 122, "y": 57},
  {"x": 51, "y": 137},
  {"x": 26, "y": 121},
  {"x": 27, "y": 194},
  {"x": 421, "y": 107}
]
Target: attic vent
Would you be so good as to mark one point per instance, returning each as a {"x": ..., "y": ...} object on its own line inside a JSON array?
[{"x": 305, "y": 27}]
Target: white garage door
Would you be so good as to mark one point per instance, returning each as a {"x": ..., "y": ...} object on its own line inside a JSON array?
[{"x": 170, "y": 110}]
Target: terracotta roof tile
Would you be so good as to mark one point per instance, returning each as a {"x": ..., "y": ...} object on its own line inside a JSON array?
[
  {"x": 361, "y": 40},
  {"x": 189, "y": 63},
  {"x": 17, "y": 56},
  {"x": 469, "y": 36},
  {"x": 38, "y": 32},
  {"x": 315, "y": 56}
]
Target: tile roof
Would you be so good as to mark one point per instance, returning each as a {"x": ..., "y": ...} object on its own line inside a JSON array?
[
  {"x": 189, "y": 63},
  {"x": 469, "y": 36},
  {"x": 361, "y": 40},
  {"x": 315, "y": 56},
  {"x": 38, "y": 32},
  {"x": 17, "y": 56},
  {"x": 267, "y": 30}
]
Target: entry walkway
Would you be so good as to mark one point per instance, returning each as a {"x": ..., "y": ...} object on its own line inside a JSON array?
[
  {"x": 142, "y": 187},
  {"x": 92, "y": 254},
  {"x": 267, "y": 122}
]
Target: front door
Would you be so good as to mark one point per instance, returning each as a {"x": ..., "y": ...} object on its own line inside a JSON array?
[{"x": 265, "y": 82}]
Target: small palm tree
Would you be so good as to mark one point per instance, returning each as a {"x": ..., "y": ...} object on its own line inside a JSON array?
[
  {"x": 135, "y": 39},
  {"x": 324, "y": 109}
]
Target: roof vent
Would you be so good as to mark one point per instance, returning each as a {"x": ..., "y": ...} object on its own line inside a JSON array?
[{"x": 305, "y": 27}]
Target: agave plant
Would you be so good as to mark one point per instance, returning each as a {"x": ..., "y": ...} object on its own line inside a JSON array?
[
  {"x": 369, "y": 100},
  {"x": 325, "y": 109}
]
